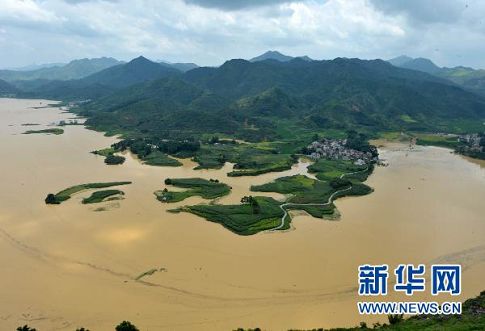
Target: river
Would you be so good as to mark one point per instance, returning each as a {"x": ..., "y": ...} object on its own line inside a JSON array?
[{"x": 68, "y": 265}]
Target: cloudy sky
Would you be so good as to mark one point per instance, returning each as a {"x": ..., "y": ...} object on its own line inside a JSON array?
[{"x": 208, "y": 32}]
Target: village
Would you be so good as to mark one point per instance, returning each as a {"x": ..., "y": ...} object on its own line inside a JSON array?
[
  {"x": 336, "y": 149},
  {"x": 473, "y": 142}
]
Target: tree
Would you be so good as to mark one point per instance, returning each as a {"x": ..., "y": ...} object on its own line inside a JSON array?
[
  {"x": 25, "y": 328},
  {"x": 126, "y": 326},
  {"x": 395, "y": 318},
  {"x": 255, "y": 206},
  {"x": 168, "y": 181},
  {"x": 112, "y": 159},
  {"x": 338, "y": 183},
  {"x": 82, "y": 329},
  {"x": 51, "y": 199}
]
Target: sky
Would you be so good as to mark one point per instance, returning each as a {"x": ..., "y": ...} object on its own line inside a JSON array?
[{"x": 209, "y": 32}]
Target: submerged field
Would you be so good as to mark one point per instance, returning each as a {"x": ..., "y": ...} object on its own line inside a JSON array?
[
  {"x": 207, "y": 189},
  {"x": 68, "y": 192},
  {"x": 315, "y": 196}
]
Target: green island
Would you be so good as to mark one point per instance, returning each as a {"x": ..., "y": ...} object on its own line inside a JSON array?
[
  {"x": 109, "y": 157},
  {"x": 207, "y": 189},
  {"x": 68, "y": 192},
  {"x": 316, "y": 197},
  {"x": 253, "y": 215},
  {"x": 104, "y": 195},
  {"x": 55, "y": 131}
]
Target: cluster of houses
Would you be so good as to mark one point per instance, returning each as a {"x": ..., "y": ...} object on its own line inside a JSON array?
[
  {"x": 336, "y": 149},
  {"x": 472, "y": 142}
]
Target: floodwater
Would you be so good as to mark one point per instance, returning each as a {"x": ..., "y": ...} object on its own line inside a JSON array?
[{"x": 68, "y": 266}]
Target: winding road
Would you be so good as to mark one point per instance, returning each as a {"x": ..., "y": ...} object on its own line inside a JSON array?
[{"x": 329, "y": 201}]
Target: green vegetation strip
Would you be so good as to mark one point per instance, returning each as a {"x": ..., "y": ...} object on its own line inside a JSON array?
[
  {"x": 67, "y": 193},
  {"x": 109, "y": 157},
  {"x": 55, "y": 131},
  {"x": 207, "y": 189},
  {"x": 100, "y": 196},
  {"x": 252, "y": 216},
  {"x": 255, "y": 214}
]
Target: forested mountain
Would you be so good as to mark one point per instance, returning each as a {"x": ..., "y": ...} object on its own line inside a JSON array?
[
  {"x": 469, "y": 78},
  {"x": 73, "y": 70},
  {"x": 183, "y": 67},
  {"x": 104, "y": 82},
  {"x": 251, "y": 100},
  {"x": 277, "y": 56},
  {"x": 7, "y": 89}
]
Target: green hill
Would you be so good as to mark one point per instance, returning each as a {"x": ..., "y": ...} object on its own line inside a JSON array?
[
  {"x": 254, "y": 100},
  {"x": 277, "y": 56},
  {"x": 468, "y": 78},
  {"x": 102, "y": 83},
  {"x": 73, "y": 70},
  {"x": 7, "y": 89}
]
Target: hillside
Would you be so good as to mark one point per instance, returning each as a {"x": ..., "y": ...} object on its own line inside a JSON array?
[
  {"x": 73, "y": 70},
  {"x": 7, "y": 89},
  {"x": 104, "y": 82},
  {"x": 256, "y": 100},
  {"x": 468, "y": 78},
  {"x": 277, "y": 56},
  {"x": 183, "y": 67}
]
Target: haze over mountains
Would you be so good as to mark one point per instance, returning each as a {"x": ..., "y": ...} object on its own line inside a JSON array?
[
  {"x": 73, "y": 70},
  {"x": 469, "y": 78},
  {"x": 277, "y": 56},
  {"x": 7, "y": 89}
]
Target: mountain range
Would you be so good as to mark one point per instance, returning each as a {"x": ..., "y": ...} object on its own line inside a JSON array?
[
  {"x": 73, "y": 70},
  {"x": 7, "y": 89},
  {"x": 255, "y": 99},
  {"x": 277, "y": 56},
  {"x": 468, "y": 78},
  {"x": 102, "y": 82}
]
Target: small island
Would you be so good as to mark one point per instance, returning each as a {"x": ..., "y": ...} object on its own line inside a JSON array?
[
  {"x": 55, "y": 131},
  {"x": 253, "y": 215},
  {"x": 207, "y": 189},
  {"x": 55, "y": 199},
  {"x": 109, "y": 157},
  {"x": 335, "y": 178},
  {"x": 104, "y": 195}
]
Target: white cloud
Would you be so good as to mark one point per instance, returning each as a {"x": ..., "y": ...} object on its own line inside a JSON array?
[{"x": 209, "y": 32}]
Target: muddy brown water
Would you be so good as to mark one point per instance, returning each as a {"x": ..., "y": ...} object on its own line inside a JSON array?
[{"x": 69, "y": 266}]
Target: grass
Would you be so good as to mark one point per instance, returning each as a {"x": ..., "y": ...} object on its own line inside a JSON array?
[
  {"x": 207, "y": 189},
  {"x": 105, "y": 151},
  {"x": 305, "y": 190},
  {"x": 265, "y": 213},
  {"x": 160, "y": 159},
  {"x": 241, "y": 219},
  {"x": 109, "y": 157},
  {"x": 67, "y": 193},
  {"x": 100, "y": 196},
  {"x": 250, "y": 159},
  {"x": 436, "y": 140},
  {"x": 55, "y": 131},
  {"x": 329, "y": 169},
  {"x": 257, "y": 162}
]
